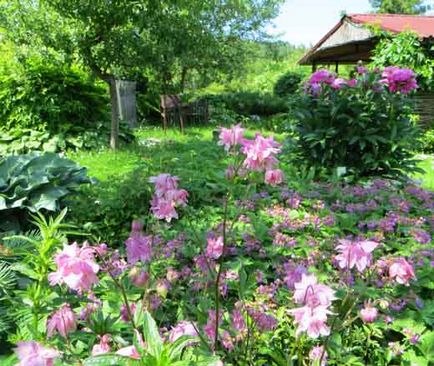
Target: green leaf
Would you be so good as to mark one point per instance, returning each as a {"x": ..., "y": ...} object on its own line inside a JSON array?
[
  {"x": 110, "y": 360},
  {"x": 152, "y": 336}
]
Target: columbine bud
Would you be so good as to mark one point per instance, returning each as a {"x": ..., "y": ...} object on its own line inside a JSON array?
[
  {"x": 138, "y": 277},
  {"x": 162, "y": 288},
  {"x": 172, "y": 275}
]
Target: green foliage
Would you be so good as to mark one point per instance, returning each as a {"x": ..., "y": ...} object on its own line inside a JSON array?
[
  {"x": 27, "y": 261},
  {"x": 362, "y": 130},
  {"x": 427, "y": 142},
  {"x": 20, "y": 141},
  {"x": 399, "y": 6},
  {"x": 250, "y": 103},
  {"x": 48, "y": 96},
  {"x": 406, "y": 50},
  {"x": 287, "y": 84},
  {"x": 34, "y": 182}
]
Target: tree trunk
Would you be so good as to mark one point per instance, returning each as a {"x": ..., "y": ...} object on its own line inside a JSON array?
[{"x": 114, "y": 134}]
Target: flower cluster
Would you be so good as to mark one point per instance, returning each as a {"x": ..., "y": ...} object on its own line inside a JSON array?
[
  {"x": 76, "y": 267},
  {"x": 260, "y": 154},
  {"x": 399, "y": 80},
  {"x": 167, "y": 197},
  {"x": 34, "y": 354},
  {"x": 316, "y": 300},
  {"x": 314, "y": 85}
]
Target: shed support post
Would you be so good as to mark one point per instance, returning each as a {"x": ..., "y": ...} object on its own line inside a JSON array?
[
  {"x": 337, "y": 67},
  {"x": 313, "y": 67}
]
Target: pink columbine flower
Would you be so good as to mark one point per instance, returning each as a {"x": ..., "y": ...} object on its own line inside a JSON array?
[
  {"x": 139, "y": 246},
  {"x": 124, "y": 312},
  {"x": 62, "y": 321},
  {"x": 369, "y": 313},
  {"x": 32, "y": 353},
  {"x": 238, "y": 322},
  {"x": 129, "y": 351},
  {"x": 167, "y": 197},
  {"x": 309, "y": 292},
  {"x": 401, "y": 271},
  {"x": 316, "y": 353},
  {"x": 274, "y": 177},
  {"x": 183, "y": 328},
  {"x": 76, "y": 267},
  {"x": 214, "y": 248},
  {"x": 260, "y": 153},
  {"x": 311, "y": 320},
  {"x": 231, "y": 136},
  {"x": 355, "y": 254},
  {"x": 103, "y": 346}
]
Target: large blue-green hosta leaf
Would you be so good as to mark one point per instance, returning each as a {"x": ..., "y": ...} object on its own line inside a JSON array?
[{"x": 36, "y": 181}]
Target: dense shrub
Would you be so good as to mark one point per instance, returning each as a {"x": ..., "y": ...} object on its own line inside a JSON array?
[
  {"x": 250, "y": 103},
  {"x": 23, "y": 140},
  {"x": 287, "y": 84},
  {"x": 362, "y": 125},
  {"x": 39, "y": 95},
  {"x": 34, "y": 182},
  {"x": 427, "y": 142}
]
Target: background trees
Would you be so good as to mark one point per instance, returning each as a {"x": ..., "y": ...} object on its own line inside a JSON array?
[
  {"x": 400, "y": 6},
  {"x": 160, "y": 41}
]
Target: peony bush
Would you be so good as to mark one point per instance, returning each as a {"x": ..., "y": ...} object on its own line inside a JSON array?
[
  {"x": 331, "y": 274},
  {"x": 361, "y": 125}
]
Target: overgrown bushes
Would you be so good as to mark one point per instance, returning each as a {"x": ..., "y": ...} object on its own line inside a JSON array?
[
  {"x": 287, "y": 84},
  {"x": 48, "y": 106},
  {"x": 361, "y": 125}
]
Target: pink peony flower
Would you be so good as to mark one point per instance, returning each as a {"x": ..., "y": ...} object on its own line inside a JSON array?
[
  {"x": 274, "y": 177},
  {"x": 338, "y": 83},
  {"x": 103, "y": 346},
  {"x": 63, "y": 321},
  {"x": 214, "y": 248},
  {"x": 129, "y": 351},
  {"x": 260, "y": 153},
  {"x": 311, "y": 320},
  {"x": 76, "y": 267},
  {"x": 183, "y": 328},
  {"x": 399, "y": 80},
  {"x": 32, "y": 353},
  {"x": 401, "y": 271},
  {"x": 139, "y": 246},
  {"x": 321, "y": 76},
  {"x": 231, "y": 136},
  {"x": 316, "y": 353},
  {"x": 369, "y": 313},
  {"x": 355, "y": 254}
]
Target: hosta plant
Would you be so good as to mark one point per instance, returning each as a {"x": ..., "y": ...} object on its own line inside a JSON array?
[{"x": 34, "y": 182}]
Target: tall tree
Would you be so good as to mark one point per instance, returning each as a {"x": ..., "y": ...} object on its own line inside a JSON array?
[
  {"x": 400, "y": 6},
  {"x": 117, "y": 39}
]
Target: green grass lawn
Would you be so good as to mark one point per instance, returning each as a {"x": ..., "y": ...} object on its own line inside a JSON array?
[{"x": 192, "y": 152}]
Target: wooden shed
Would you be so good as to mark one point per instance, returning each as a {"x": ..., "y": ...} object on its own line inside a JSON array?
[{"x": 353, "y": 40}]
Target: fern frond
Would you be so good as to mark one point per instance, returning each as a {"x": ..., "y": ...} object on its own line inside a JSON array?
[
  {"x": 5, "y": 320},
  {"x": 7, "y": 277}
]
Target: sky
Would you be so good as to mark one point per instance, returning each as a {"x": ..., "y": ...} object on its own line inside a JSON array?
[{"x": 307, "y": 21}]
